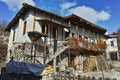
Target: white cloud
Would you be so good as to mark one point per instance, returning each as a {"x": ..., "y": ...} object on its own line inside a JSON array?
[
  {"x": 17, "y": 4},
  {"x": 68, "y": 5},
  {"x": 90, "y": 14},
  {"x": 65, "y": 6}
]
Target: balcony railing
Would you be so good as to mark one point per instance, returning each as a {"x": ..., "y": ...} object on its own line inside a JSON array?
[{"x": 98, "y": 45}]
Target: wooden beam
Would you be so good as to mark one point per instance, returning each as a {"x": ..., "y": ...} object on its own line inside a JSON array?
[
  {"x": 77, "y": 31},
  {"x": 69, "y": 24},
  {"x": 62, "y": 33},
  {"x": 83, "y": 32},
  {"x": 45, "y": 29},
  {"x": 45, "y": 44},
  {"x": 50, "y": 35},
  {"x": 56, "y": 32},
  {"x": 34, "y": 20}
]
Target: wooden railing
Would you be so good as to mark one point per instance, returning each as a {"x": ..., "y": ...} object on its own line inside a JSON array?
[{"x": 99, "y": 45}]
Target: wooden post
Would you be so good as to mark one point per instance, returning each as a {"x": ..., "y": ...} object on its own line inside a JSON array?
[
  {"x": 62, "y": 33},
  {"x": 77, "y": 31},
  {"x": 54, "y": 60},
  {"x": 69, "y": 45},
  {"x": 45, "y": 45},
  {"x": 31, "y": 51},
  {"x": 69, "y": 49},
  {"x": 117, "y": 55},
  {"x": 56, "y": 33},
  {"x": 83, "y": 39},
  {"x": 34, "y": 52},
  {"x": 34, "y": 20},
  {"x": 50, "y": 35}
]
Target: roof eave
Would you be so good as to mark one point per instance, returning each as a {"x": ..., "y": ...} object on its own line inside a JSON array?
[
  {"x": 87, "y": 22},
  {"x": 27, "y": 7}
]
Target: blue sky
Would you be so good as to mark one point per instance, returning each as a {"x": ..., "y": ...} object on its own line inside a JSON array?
[{"x": 105, "y": 13}]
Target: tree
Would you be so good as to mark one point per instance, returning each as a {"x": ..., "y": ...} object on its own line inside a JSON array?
[
  {"x": 3, "y": 25},
  {"x": 3, "y": 45},
  {"x": 118, "y": 30}
]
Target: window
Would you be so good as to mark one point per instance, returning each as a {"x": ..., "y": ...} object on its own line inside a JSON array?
[
  {"x": 24, "y": 29},
  {"x": 72, "y": 35},
  {"x": 66, "y": 34},
  {"x": 55, "y": 33},
  {"x": 43, "y": 28},
  {"x": 14, "y": 36},
  {"x": 112, "y": 43}
]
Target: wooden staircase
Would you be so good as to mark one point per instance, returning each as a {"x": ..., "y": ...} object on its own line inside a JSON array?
[{"x": 60, "y": 48}]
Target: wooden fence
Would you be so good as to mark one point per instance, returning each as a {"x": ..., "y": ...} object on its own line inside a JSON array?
[{"x": 73, "y": 77}]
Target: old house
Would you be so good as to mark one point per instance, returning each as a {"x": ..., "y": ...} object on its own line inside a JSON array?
[
  {"x": 113, "y": 47},
  {"x": 38, "y": 31}
]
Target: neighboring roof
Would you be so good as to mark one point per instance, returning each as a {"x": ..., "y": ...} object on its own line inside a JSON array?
[
  {"x": 114, "y": 35},
  {"x": 24, "y": 9},
  {"x": 78, "y": 20}
]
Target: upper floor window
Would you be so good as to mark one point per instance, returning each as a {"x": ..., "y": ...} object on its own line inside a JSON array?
[
  {"x": 24, "y": 28},
  {"x": 44, "y": 28},
  {"x": 14, "y": 36},
  {"x": 112, "y": 43},
  {"x": 66, "y": 34},
  {"x": 55, "y": 32},
  {"x": 73, "y": 35}
]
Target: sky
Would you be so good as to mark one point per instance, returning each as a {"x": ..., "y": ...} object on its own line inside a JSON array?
[{"x": 104, "y": 13}]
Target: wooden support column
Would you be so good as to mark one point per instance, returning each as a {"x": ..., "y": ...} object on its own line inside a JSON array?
[
  {"x": 34, "y": 20},
  {"x": 56, "y": 33},
  {"x": 77, "y": 31},
  {"x": 62, "y": 33},
  {"x": 83, "y": 40},
  {"x": 50, "y": 35},
  {"x": 45, "y": 44},
  {"x": 83, "y": 31},
  {"x": 69, "y": 24},
  {"x": 118, "y": 55},
  {"x": 89, "y": 34}
]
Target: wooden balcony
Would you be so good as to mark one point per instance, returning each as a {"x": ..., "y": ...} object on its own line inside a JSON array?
[{"x": 86, "y": 46}]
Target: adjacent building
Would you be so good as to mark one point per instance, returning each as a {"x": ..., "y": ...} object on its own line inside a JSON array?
[{"x": 113, "y": 47}]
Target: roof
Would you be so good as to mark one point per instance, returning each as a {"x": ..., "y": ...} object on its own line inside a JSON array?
[
  {"x": 24, "y": 9},
  {"x": 114, "y": 35},
  {"x": 78, "y": 20}
]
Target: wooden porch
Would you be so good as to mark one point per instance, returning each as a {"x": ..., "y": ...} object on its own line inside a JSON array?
[{"x": 81, "y": 46}]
